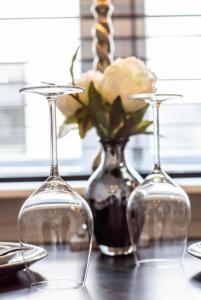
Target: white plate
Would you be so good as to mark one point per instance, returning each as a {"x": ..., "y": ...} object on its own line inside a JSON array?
[
  {"x": 16, "y": 263},
  {"x": 195, "y": 249}
]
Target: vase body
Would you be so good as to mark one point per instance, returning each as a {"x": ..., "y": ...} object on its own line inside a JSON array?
[{"x": 108, "y": 191}]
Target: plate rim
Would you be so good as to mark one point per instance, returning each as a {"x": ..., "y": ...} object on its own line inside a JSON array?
[
  {"x": 195, "y": 252},
  {"x": 21, "y": 264}
]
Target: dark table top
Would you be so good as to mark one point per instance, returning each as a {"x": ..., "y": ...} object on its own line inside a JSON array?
[{"x": 116, "y": 278}]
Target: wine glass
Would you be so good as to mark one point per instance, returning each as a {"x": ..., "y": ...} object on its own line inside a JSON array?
[
  {"x": 56, "y": 218},
  {"x": 158, "y": 211}
]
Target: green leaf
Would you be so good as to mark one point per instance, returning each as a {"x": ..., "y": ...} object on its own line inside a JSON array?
[
  {"x": 97, "y": 111},
  {"x": 134, "y": 123},
  {"x": 127, "y": 128},
  {"x": 131, "y": 128},
  {"x": 139, "y": 114},
  {"x": 70, "y": 120},
  {"x": 69, "y": 124},
  {"x": 117, "y": 116},
  {"x": 72, "y": 65},
  {"x": 84, "y": 126},
  {"x": 65, "y": 128},
  {"x": 141, "y": 127},
  {"x": 81, "y": 113},
  {"x": 147, "y": 132},
  {"x": 84, "y": 121}
]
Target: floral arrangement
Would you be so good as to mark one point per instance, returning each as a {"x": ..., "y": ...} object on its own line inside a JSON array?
[{"x": 104, "y": 105}]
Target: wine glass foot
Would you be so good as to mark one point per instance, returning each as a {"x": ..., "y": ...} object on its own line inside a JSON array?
[
  {"x": 160, "y": 263},
  {"x": 58, "y": 284}
]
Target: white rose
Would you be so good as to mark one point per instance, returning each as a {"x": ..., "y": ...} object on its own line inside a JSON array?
[
  {"x": 68, "y": 105},
  {"x": 125, "y": 77}
]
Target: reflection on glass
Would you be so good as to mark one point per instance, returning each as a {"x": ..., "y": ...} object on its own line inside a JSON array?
[
  {"x": 56, "y": 218},
  {"x": 158, "y": 211}
]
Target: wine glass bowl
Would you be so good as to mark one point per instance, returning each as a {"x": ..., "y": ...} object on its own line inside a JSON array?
[
  {"x": 56, "y": 218},
  {"x": 158, "y": 211}
]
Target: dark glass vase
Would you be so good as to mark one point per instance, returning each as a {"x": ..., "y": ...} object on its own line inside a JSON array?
[{"x": 108, "y": 191}]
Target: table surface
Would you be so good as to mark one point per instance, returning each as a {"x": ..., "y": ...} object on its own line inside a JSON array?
[{"x": 116, "y": 278}]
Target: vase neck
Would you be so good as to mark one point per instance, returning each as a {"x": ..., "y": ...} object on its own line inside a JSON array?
[{"x": 113, "y": 152}]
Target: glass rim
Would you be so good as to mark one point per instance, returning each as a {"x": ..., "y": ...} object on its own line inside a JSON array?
[
  {"x": 154, "y": 96},
  {"x": 69, "y": 89}
]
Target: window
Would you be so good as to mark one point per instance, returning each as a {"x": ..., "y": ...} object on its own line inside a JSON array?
[
  {"x": 42, "y": 52},
  {"x": 164, "y": 34},
  {"x": 173, "y": 51}
]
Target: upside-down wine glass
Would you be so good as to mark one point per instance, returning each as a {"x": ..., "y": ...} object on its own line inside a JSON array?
[
  {"x": 158, "y": 211},
  {"x": 56, "y": 218}
]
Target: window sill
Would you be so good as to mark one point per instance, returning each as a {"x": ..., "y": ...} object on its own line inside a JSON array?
[
  {"x": 13, "y": 194},
  {"x": 9, "y": 190},
  {"x": 24, "y": 189}
]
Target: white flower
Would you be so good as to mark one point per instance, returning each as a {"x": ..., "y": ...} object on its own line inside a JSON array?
[
  {"x": 125, "y": 77},
  {"x": 68, "y": 105}
]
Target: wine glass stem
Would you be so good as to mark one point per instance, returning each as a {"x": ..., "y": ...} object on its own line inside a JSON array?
[
  {"x": 157, "y": 163},
  {"x": 53, "y": 138}
]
